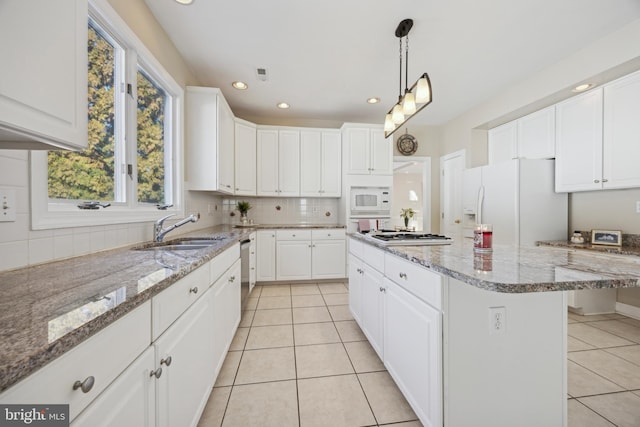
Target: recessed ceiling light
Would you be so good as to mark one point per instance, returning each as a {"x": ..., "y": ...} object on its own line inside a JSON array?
[
  {"x": 282, "y": 105},
  {"x": 582, "y": 87},
  {"x": 184, "y": 1},
  {"x": 239, "y": 85},
  {"x": 373, "y": 100}
]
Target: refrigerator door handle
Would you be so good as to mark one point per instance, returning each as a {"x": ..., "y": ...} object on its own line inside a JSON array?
[{"x": 479, "y": 205}]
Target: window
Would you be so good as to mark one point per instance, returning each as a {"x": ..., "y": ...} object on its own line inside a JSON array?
[{"x": 132, "y": 159}]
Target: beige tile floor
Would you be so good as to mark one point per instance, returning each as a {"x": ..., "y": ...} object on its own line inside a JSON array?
[
  {"x": 604, "y": 371},
  {"x": 299, "y": 359}
]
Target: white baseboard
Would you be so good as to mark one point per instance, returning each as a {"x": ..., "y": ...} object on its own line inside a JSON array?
[{"x": 628, "y": 310}]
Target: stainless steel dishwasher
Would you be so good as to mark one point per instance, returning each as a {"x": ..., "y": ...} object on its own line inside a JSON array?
[{"x": 244, "y": 266}]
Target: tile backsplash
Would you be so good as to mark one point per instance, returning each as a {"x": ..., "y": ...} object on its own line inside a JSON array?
[{"x": 282, "y": 210}]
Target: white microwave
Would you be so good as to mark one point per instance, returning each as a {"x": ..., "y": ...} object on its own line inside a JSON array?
[{"x": 367, "y": 202}]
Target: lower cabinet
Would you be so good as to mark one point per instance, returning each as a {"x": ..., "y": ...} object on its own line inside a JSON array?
[
  {"x": 129, "y": 401},
  {"x": 293, "y": 260},
  {"x": 355, "y": 286},
  {"x": 328, "y": 254},
  {"x": 372, "y": 308},
  {"x": 266, "y": 255},
  {"x": 413, "y": 351},
  {"x": 226, "y": 313}
]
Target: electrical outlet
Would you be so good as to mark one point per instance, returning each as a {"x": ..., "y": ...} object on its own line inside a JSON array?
[
  {"x": 497, "y": 320},
  {"x": 7, "y": 204}
]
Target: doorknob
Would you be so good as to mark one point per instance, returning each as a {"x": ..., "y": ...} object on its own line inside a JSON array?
[{"x": 457, "y": 221}]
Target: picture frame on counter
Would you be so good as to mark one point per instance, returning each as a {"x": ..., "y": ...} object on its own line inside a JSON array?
[{"x": 606, "y": 237}]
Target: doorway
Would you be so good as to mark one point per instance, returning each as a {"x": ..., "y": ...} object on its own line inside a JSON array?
[
  {"x": 412, "y": 189},
  {"x": 451, "y": 167}
]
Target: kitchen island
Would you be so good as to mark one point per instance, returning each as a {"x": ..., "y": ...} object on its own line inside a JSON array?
[{"x": 476, "y": 339}]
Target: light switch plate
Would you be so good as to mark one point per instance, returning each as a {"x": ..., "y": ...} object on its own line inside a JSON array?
[{"x": 7, "y": 204}]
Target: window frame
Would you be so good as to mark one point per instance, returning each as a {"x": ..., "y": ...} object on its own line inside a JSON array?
[{"x": 46, "y": 214}]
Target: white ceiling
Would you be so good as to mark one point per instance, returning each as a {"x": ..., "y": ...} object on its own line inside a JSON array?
[{"x": 325, "y": 58}]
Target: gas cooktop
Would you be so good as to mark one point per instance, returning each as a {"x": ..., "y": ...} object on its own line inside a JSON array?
[{"x": 409, "y": 239}]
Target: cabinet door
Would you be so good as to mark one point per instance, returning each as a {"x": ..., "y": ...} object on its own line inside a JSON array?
[
  {"x": 412, "y": 351},
  {"x": 267, "y": 161},
  {"x": 44, "y": 97},
  {"x": 355, "y": 288},
  {"x": 502, "y": 142},
  {"x": 371, "y": 313},
  {"x": 289, "y": 163},
  {"x": 381, "y": 153},
  {"x": 331, "y": 164},
  {"x": 579, "y": 143},
  {"x": 293, "y": 260},
  {"x": 328, "y": 259},
  {"x": 252, "y": 262},
  {"x": 128, "y": 401},
  {"x": 357, "y": 149},
  {"x": 226, "y": 313},
  {"x": 226, "y": 162},
  {"x": 265, "y": 255},
  {"x": 185, "y": 384},
  {"x": 536, "y": 135},
  {"x": 245, "y": 158},
  {"x": 311, "y": 163},
  {"x": 621, "y": 145}
]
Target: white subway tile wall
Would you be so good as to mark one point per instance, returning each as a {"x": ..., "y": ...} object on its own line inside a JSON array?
[
  {"x": 20, "y": 246},
  {"x": 283, "y": 210}
]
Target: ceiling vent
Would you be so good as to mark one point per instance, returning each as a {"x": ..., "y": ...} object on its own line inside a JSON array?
[{"x": 262, "y": 74}]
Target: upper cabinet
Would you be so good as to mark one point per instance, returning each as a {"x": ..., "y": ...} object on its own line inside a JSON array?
[
  {"x": 210, "y": 140},
  {"x": 43, "y": 77},
  {"x": 320, "y": 163},
  {"x": 598, "y": 138},
  {"x": 245, "y": 157},
  {"x": 367, "y": 151},
  {"x": 529, "y": 137},
  {"x": 278, "y": 162}
]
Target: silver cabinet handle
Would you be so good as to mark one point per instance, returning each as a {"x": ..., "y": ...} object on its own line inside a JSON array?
[
  {"x": 232, "y": 278},
  {"x": 157, "y": 373},
  {"x": 383, "y": 289},
  {"x": 596, "y": 181},
  {"x": 166, "y": 361},
  {"x": 85, "y": 385},
  {"x": 403, "y": 276},
  {"x": 194, "y": 290},
  {"x": 605, "y": 180}
]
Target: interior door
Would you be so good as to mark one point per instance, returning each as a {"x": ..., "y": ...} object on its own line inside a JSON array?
[{"x": 451, "y": 167}]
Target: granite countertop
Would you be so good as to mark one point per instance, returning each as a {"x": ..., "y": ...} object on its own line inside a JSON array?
[
  {"x": 619, "y": 250},
  {"x": 49, "y": 308},
  {"x": 512, "y": 269},
  {"x": 284, "y": 226}
]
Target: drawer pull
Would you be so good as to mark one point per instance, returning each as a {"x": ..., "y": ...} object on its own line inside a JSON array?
[
  {"x": 157, "y": 373},
  {"x": 194, "y": 290},
  {"x": 166, "y": 361},
  {"x": 383, "y": 289},
  {"x": 85, "y": 385},
  {"x": 232, "y": 278},
  {"x": 403, "y": 276}
]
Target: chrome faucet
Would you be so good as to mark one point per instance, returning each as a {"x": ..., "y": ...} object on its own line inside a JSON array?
[{"x": 159, "y": 232}]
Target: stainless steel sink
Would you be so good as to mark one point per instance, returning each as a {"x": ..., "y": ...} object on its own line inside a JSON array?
[{"x": 181, "y": 245}]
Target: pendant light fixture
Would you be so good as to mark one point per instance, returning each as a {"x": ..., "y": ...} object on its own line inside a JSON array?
[{"x": 415, "y": 98}]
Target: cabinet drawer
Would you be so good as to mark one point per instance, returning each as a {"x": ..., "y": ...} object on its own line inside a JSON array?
[
  {"x": 356, "y": 247},
  {"x": 293, "y": 234},
  {"x": 328, "y": 234},
  {"x": 222, "y": 262},
  {"x": 421, "y": 282},
  {"x": 373, "y": 256},
  {"x": 103, "y": 356},
  {"x": 169, "y": 304}
]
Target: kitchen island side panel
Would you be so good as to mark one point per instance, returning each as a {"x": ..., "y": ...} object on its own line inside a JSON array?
[{"x": 516, "y": 376}]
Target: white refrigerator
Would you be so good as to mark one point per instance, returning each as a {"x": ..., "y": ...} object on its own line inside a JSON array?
[{"x": 517, "y": 197}]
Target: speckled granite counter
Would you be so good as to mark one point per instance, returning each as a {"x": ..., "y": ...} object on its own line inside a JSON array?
[
  {"x": 619, "y": 250},
  {"x": 512, "y": 269},
  {"x": 47, "y": 309}
]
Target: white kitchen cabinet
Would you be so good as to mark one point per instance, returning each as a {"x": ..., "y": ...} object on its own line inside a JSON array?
[
  {"x": 128, "y": 401},
  {"x": 209, "y": 126},
  {"x": 328, "y": 254},
  {"x": 185, "y": 354},
  {"x": 226, "y": 313},
  {"x": 43, "y": 77},
  {"x": 503, "y": 143},
  {"x": 621, "y": 133},
  {"x": 293, "y": 254},
  {"x": 245, "y": 158},
  {"x": 278, "y": 162},
  {"x": 367, "y": 152},
  {"x": 266, "y": 255},
  {"x": 372, "y": 308},
  {"x": 356, "y": 272},
  {"x": 320, "y": 163},
  {"x": 536, "y": 135},
  {"x": 415, "y": 364},
  {"x": 252, "y": 260},
  {"x": 579, "y": 143}
]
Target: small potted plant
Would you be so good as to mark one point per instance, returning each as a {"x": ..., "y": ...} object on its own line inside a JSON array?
[
  {"x": 406, "y": 214},
  {"x": 243, "y": 207}
]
